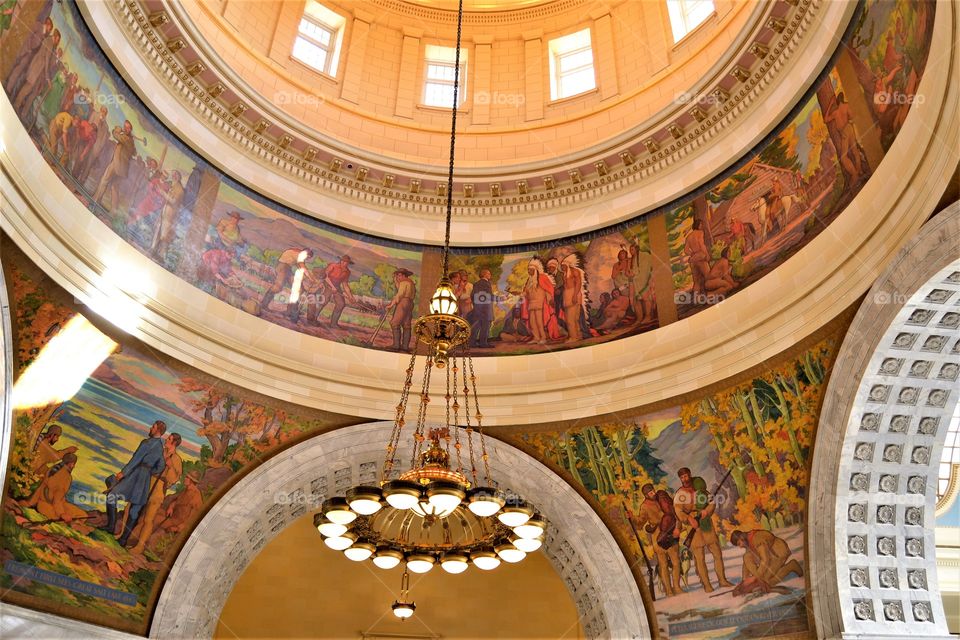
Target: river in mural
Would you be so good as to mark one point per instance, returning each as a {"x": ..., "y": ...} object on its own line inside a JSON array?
[
  {"x": 178, "y": 210},
  {"x": 117, "y": 453},
  {"x": 708, "y": 498}
]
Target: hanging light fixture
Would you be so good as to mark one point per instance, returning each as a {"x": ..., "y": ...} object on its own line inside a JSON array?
[
  {"x": 441, "y": 510},
  {"x": 403, "y": 608}
]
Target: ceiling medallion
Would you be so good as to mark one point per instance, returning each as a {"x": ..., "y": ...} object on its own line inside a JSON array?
[{"x": 445, "y": 509}]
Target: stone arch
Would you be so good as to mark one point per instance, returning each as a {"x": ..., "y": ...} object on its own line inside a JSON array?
[
  {"x": 882, "y": 426},
  {"x": 290, "y": 485}
]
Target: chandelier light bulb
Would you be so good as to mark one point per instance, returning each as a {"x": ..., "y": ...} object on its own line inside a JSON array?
[
  {"x": 337, "y": 510},
  {"x": 484, "y": 502},
  {"x": 341, "y": 542},
  {"x": 485, "y": 559},
  {"x": 330, "y": 529},
  {"x": 403, "y": 610},
  {"x": 444, "y": 497},
  {"x": 386, "y": 558},
  {"x": 364, "y": 500},
  {"x": 516, "y": 514},
  {"x": 510, "y": 553},
  {"x": 527, "y": 545},
  {"x": 359, "y": 552},
  {"x": 401, "y": 494},
  {"x": 444, "y": 300},
  {"x": 420, "y": 562},
  {"x": 532, "y": 528},
  {"x": 454, "y": 563}
]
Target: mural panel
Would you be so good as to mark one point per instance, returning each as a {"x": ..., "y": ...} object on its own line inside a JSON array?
[
  {"x": 117, "y": 454},
  {"x": 270, "y": 261},
  {"x": 709, "y": 498}
]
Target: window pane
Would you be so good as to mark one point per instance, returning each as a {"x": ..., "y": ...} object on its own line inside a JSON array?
[
  {"x": 440, "y": 72},
  {"x": 575, "y": 60},
  {"x": 438, "y": 95},
  {"x": 309, "y": 53},
  {"x": 577, "y": 82}
]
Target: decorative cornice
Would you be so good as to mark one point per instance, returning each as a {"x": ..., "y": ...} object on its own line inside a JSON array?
[{"x": 632, "y": 160}]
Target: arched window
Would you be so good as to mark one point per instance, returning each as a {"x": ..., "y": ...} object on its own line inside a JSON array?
[{"x": 686, "y": 15}]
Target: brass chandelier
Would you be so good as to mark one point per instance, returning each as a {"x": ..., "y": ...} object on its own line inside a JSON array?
[{"x": 444, "y": 509}]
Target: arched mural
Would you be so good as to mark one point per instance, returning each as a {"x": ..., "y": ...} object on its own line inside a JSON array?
[
  {"x": 178, "y": 210},
  {"x": 117, "y": 452}
]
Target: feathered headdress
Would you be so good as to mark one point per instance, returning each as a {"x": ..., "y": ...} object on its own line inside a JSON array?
[{"x": 536, "y": 263}]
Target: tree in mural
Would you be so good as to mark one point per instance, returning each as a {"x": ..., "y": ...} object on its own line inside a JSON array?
[{"x": 762, "y": 430}]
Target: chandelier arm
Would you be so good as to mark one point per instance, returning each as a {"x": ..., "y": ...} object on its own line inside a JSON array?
[
  {"x": 453, "y": 140},
  {"x": 483, "y": 443}
]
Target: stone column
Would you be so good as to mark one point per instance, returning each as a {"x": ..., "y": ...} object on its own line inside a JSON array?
[
  {"x": 356, "y": 54},
  {"x": 482, "y": 89},
  {"x": 604, "y": 53},
  {"x": 533, "y": 74},
  {"x": 409, "y": 84}
]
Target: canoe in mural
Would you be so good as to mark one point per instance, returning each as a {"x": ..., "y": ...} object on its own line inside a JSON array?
[
  {"x": 117, "y": 454},
  {"x": 181, "y": 212},
  {"x": 708, "y": 498}
]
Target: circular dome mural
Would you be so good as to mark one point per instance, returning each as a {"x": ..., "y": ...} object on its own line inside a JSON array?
[{"x": 163, "y": 198}]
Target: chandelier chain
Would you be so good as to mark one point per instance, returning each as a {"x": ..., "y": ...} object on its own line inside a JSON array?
[
  {"x": 422, "y": 414},
  {"x": 453, "y": 142},
  {"x": 456, "y": 416},
  {"x": 466, "y": 415},
  {"x": 479, "y": 417},
  {"x": 399, "y": 421}
]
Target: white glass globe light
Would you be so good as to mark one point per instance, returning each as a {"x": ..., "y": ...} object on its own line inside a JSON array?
[
  {"x": 454, "y": 563},
  {"x": 485, "y": 560},
  {"x": 364, "y": 500},
  {"x": 514, "y": 515},
  {"x": 337, "y": 510},
  {"x": 385, "y": 558},
  {"x": 420, "y": 563},
  {"x": 483, "y": 502},
  {"x": 532, "y": 528},
  {"x": 509, "y": 553},
  {"x": 330, "y": 529},
  {"x": 527, "y": 545},
  {"x": 403, "y": 610},
  {"x": 359, "y": 552},
  {"x": 401, "y": 494},
  {"x": 340, "y": 542}
]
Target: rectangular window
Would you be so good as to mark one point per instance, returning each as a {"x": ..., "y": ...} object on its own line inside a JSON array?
[
  {"x": 319, "y": 37},
  {"x": 571, "y": 65},
  {"x": 439, "y": 76},
  {"x": 687, "y": 15}
]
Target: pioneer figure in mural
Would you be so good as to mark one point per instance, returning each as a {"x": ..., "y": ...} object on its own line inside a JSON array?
[
  {"x": 28, "y": 52},
  {"x": 172, "y": 470},
  {"x": 184, "y": 505},
  {"x": 695, "y": 507},
  {"x": 119, "y": 166},
  {"x": 37, "y": 74},
  {"x": 766, "y": 561},
  {"x": 401, "y": 322},
  {"x": 135, "y": 481},
  {"x": 463, "y": 289},
  {"x": 336, "y": 289},
  {"x": 658, "y": 518},
  {"x": 291, "y": 263},
  {"x": 170, "y": 211},
  {"x": 482, "y": 316}
]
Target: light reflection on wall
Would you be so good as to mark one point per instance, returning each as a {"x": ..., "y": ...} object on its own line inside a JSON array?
[{"x": 63, "y": 365}]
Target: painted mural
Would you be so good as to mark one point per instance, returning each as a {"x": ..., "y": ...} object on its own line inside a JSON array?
[
  {"x": 117, "y": 453},
  {"x": 709, "y": 498},
  {"x": 272, "y": 262}
]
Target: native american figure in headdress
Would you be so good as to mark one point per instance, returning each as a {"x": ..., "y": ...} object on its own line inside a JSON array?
[
  {"x": 538, "y": 303},
  {"x": 576, "y": 300}
]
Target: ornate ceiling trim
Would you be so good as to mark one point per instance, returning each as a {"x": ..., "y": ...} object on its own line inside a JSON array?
[
  {"x": 674, "y": 153},
  {"x": 265, "y": 501},
  {"x": 884, "y": 421}
]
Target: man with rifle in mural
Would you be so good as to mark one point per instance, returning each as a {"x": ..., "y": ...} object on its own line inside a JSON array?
[{"x": 695, "y": 507}]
